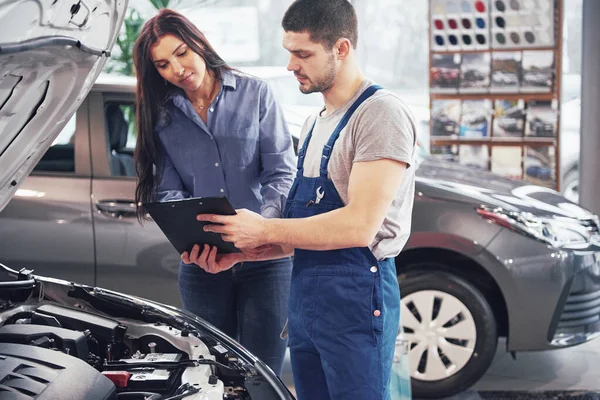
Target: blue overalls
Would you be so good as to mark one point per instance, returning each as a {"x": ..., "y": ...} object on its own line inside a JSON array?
[{"x": 344, "y": 306}]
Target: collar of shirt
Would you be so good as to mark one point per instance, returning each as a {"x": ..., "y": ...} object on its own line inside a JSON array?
[
  {"x": 177, "y": 97},
  {"x": 227, "y": 81}
]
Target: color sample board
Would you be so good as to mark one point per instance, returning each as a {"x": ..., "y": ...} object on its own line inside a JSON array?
[
  {"x": 522, "y": 23},
  {"x": 460, "y": 25},
  {"x": 484, "y": 24}
]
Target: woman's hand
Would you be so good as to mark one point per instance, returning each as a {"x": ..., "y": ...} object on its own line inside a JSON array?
[{"x": 213, "y": 263}]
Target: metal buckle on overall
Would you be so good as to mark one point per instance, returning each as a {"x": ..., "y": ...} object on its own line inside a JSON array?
[{"x": 284, "y": 333}]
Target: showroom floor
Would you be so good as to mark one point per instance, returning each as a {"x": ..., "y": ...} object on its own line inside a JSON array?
[{"x": 571, "y": 373}]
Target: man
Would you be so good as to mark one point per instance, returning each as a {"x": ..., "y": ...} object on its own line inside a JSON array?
[{"x": 348, "y": 214}]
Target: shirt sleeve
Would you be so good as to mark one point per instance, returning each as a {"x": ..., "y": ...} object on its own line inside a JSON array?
[
  {"x": 170, "y": 187},
  {"x": 277, "y": 158},
  {"x": 385, "y": 129}
]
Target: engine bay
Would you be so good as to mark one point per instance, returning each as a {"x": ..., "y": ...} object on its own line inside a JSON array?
[{"x": 45, "y": 346}]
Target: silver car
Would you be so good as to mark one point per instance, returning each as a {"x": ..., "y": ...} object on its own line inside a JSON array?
[{"x": 77, "y": 207}]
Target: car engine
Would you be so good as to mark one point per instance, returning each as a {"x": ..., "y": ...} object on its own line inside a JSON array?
[{"x": 48, "y": 351}]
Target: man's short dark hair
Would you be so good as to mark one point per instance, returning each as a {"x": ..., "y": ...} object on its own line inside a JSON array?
[{"x": 325, "y": 21}]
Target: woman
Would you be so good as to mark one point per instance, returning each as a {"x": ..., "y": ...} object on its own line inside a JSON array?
[{"x": 208, "y": 130}]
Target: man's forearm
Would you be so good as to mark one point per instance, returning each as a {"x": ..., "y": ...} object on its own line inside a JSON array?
[
  {"x": 276, "y": 253},
  {"x": 338, "y": 229}
]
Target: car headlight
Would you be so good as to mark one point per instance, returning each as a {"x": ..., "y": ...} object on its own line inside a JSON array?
[{"x": 557, "y": 232}]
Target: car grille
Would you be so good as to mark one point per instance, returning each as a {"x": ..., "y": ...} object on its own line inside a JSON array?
[
  {"x": 581, "y": 309},
  {"x": 592, "y": 224}
]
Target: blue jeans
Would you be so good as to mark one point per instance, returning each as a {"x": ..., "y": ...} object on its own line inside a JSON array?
[{"x": 249, "y": 303}]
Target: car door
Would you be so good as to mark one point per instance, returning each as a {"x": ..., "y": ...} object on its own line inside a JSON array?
[
  {"x": 131, "y": 258},
  {"x": 47, "y": 226}
]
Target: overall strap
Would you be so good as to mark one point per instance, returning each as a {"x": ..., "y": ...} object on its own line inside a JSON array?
[
  {"x": 338, "y": 129},
  {"x": 302, "y": 152},
  {"x": 336, "y": 133}
]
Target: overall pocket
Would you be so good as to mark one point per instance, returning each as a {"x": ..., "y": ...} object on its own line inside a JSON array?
[{"x": 345, "y": 303}]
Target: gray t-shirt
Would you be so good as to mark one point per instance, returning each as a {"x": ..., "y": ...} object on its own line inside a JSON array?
[{"x": 381, "y": 128}]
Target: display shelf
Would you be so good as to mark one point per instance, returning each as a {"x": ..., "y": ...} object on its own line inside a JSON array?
[
  {"x": 493, "y": 96},
  {"x": 465, "y": 73},
  {"x": 491, "y": 50},
  {"x": 494, "y": 141}
]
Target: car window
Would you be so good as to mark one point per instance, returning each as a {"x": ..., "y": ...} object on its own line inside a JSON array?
[
  {"x": 60, "y": 157},
  {"x": 129, "y": 114},
  {"x": 121, "y": 135}
]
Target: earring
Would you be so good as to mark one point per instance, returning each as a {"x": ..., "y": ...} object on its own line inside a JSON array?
[{"x": 165, "y": 82}]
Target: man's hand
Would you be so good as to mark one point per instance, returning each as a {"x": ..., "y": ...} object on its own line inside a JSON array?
[
  {"x": 246, "y": 229},
  {"x": 212, "y": 262},
  {"x": 371, "y": 190}
]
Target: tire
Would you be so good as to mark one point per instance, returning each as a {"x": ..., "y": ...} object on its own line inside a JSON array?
[{"x": 464, "y": 363}]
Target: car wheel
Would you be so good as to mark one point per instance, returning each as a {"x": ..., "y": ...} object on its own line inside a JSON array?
[
  {"x": 570, "y": 186},
  {"x": 451, "y": 329}
]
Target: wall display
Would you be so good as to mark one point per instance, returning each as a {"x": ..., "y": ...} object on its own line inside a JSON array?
[
  {"x": 541, "y": 119},
  {"x": 475, "y": 119},
  {"x": 507, "y": 161},
  {"x": 495, "y": 69},
  {"x": 474, "y": 156},
  {"x": 445, "y": 73},
  {"x": 538, "y": 71},
  {"x": 506, "y": 72},
  {"x": 509, "y": 119},
  {"x": 540, "y": 165},
  {"x": 445, "y": 117},
  {"x": 445, "y": 153},
  {"x": 475, "y": 73}
]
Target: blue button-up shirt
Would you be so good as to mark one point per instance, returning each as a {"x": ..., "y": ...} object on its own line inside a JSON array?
[{"x": 244, "y": 151}]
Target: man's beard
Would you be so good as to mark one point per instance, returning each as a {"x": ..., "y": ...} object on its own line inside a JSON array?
[{"x": 323, "y": 82}]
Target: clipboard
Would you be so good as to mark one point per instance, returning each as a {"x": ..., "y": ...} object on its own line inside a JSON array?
[{"x": 177, "y": 220}]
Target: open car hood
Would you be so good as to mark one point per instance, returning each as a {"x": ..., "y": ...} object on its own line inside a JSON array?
[
  {"x": 83, "y": 335},
  {"x": 50, "y": 55}
]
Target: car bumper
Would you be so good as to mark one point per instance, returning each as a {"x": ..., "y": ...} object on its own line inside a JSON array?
[
  {"x": 577, "y": 315},
  {"x": 552, "y": 295}
]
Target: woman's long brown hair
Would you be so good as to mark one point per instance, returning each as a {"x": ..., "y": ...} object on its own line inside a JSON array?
[{"x": 151, "y": 92}]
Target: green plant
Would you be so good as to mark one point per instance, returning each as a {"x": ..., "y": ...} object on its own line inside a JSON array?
[
  {"x": 123, "y": 62},
  {"x": 158, "y": 4}
]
